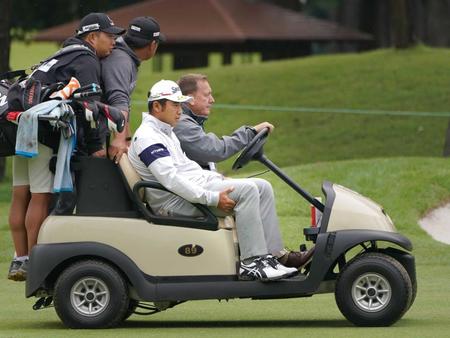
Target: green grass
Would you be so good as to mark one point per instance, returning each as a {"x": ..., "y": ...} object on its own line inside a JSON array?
[
  {"x": 406, "y": 187},
  {"x": 358, "y": 151},
  {"x": 24, "y": 55},
  {"x": 410, "y": 80}
]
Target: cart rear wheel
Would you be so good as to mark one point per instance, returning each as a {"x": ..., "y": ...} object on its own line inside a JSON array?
[
  {"x": 91, "y": 294},
  {"x": 373, "y": 290}
]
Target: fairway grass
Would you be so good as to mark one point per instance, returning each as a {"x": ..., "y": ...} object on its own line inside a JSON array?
[
  {"x": 406, "y": 187},
  {"x": 405, "y": 184},
  {"x": 413, "y": 80},
  {"x": 317, "y": 316}
]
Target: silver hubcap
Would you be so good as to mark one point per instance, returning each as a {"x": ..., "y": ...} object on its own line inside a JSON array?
[
  {"x": 89, "y": 296},
  {"x": 371, "y": 292}
]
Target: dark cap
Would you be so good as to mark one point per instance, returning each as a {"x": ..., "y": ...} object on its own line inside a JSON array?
[
  {"x": 98, "y": 22},
  {"x": 144, "y": 29}
]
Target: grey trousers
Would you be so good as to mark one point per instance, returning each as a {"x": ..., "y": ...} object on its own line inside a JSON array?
[{"x": 256, "y": 219}]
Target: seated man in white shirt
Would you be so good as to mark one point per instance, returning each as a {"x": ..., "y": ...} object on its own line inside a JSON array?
[{"x": 156, "y": 154}]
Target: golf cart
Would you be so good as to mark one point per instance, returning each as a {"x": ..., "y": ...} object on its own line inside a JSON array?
[{"x": 114, "y": 256}]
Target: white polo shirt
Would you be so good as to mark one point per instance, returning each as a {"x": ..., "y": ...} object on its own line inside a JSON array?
[{"x": 156, "y": 154}]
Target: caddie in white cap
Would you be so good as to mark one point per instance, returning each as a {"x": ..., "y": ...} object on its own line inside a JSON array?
[{"x": 156, "y": 154}]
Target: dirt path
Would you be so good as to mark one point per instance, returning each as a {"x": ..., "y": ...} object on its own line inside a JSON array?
[{"x": 437, "y": 224}]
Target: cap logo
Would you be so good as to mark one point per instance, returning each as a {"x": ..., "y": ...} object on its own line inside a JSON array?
[
  {"x": 156, "y": 34},
  {"x": 174, "y": 91},
  {"x": 135, "y": 28},
  {"x": 89, "y": 28},
  {"x": 110, "y": 21}
]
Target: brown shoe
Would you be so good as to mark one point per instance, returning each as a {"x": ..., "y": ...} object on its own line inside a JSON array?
[{"x": 296, "y": 259}]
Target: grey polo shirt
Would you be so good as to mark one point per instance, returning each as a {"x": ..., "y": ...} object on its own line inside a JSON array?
[
  {"x": 204, "y": 147},
  {"x": 119, "y": 75}
]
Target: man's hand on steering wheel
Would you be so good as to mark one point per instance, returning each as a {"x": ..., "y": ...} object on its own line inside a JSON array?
[{"x": 263, "y": 125}]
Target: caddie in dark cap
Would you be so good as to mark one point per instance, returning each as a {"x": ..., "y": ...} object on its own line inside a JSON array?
[
  {"x": 98, "y": 22},
  {"x": 32, "y": 180},
  {"x": 80, "y": 58},
  {"x": 120, "y": 69}
]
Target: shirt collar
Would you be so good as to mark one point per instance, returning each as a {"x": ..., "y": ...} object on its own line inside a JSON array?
[
  {"x": 197, "y": 118},
  {"x": 158, "y": 124}
]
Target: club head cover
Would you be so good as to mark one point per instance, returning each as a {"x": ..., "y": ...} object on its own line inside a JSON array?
[{"x": 114, "y": 117}]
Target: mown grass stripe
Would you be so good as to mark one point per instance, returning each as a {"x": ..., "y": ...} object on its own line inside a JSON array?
[{"x": 321, "y": 110}]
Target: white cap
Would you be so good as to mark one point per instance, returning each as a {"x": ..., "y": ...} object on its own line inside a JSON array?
[{"x": 167, "y": 89}]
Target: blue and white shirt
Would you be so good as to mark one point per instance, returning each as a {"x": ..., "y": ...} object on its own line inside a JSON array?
[{"x": 156, "y": 154}]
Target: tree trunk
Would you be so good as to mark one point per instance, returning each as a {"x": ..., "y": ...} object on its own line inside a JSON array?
[
  {"x": 436, "y": 32},
  {"x": 371, "y": 16},
  {"x": 417, "y": 18},
  {"x": 446, "y": 152},
  {"x": 437, "y": 23},
  {"x": 295, "y": 5},
  {"x": 393, "y": 23},
  {"x": 5, "y": 42},
  {"x": 401, "y": 24},
  {"x": 349, "y": 15}
]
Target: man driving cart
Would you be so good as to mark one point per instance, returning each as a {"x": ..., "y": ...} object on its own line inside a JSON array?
[{"x": 156, "y": 155}]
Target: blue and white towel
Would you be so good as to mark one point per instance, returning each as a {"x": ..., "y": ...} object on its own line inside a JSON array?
[
  {"x": 27, "y": 130},
  {"x": 26, "y": 142},
  {"x": 63, "y": 176}
]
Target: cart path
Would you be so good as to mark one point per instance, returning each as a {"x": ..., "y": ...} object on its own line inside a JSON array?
[{"x": 437, "y": 224}]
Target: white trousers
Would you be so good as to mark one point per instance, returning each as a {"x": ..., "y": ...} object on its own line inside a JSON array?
[{"x": 256, "y": 219}]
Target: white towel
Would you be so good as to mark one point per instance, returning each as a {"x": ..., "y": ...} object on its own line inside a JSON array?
[{"x": 27, "y": 131}]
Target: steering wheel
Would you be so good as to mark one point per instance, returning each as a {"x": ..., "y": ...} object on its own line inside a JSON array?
[{"x": 253, "y": 150}]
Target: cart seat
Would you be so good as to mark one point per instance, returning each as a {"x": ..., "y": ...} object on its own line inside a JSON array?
[{"x": 132, "y": 177}]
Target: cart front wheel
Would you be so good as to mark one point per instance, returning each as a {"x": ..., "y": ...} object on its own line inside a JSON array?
[{"x": 373, "y": 290}]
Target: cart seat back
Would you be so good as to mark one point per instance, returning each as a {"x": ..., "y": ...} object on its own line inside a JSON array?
[{"x": 130, "y": 174}]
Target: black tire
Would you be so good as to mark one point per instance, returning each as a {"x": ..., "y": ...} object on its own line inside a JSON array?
[
  {"x": 373, "y": 289},
  {"x": 414, "y": 293},
  {"x": 91, "y": 294}
]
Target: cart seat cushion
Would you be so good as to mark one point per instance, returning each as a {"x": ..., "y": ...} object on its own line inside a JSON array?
[
  {"x": 130, "y": 173},
  {"x": 226, "y": 222}
]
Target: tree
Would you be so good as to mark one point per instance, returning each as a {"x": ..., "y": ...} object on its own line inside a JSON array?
[
  {"x": 29, "y": 16},
  {"x": 401, "y": 27},
  {"x": 5, "y": 42},
  {"x": 398, "y": 23},
  {"x": 446, "y": 152},
  {"x": 295, "y": 5}
]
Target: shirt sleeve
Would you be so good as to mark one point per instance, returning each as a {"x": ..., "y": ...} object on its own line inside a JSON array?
[
  {"x": 208, "y": 147},
  {"x": 157, "y": 158},
  {"x": 116, "y": 82}
]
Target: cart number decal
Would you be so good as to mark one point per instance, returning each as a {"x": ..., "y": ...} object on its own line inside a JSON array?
[{"x": 190, "y": 250}]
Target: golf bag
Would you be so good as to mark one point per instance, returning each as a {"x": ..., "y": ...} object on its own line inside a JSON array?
[{"x": 8, "y": 130}]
